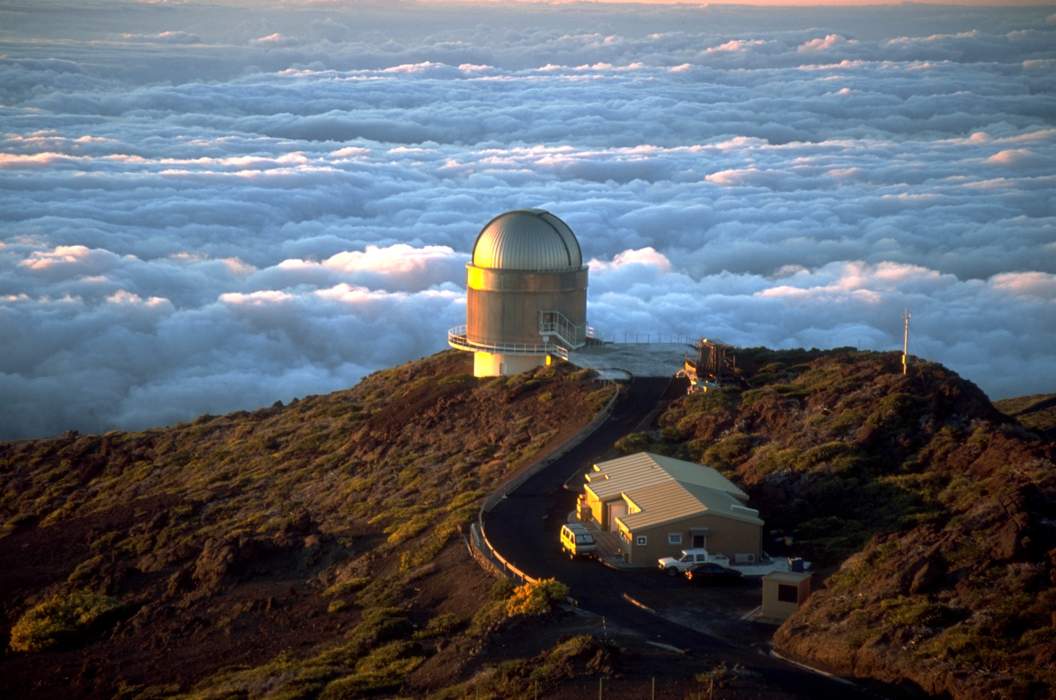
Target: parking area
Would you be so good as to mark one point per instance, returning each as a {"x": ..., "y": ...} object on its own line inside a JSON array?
[
  {"x": 717, "y": 609},
  {"x": 722, "y": 609}
]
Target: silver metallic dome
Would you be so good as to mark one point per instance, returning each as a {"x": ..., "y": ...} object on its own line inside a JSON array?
[{"x": 527, "y": 239}]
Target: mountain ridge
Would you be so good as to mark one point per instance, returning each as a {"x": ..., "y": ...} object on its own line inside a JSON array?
[{"x": 204, "y": 548}]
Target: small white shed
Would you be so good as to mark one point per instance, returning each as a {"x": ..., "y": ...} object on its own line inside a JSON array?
[{"x": 784, "y": 592}]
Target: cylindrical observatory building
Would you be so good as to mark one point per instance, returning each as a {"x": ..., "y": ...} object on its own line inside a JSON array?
[{"x": 526, "y": 296}]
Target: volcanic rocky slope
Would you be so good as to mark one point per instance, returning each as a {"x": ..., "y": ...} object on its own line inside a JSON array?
[
  {"x": 312, "y": 550},
  {"x": 293, "y": 551},
  {"x": 933, "y": 512},
  {"x": 1037, "y": 412}
]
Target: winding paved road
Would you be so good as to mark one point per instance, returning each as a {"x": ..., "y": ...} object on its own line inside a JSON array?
[{"x": 524, "y": 528}]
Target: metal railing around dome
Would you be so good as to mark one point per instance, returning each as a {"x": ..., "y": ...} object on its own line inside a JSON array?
[
  {"x": 552, "y": 325},
  {"x": 457, "y": 338}
]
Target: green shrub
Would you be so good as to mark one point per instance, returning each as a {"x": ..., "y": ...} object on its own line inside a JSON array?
[
  {"x": 85, "y": 570},
  {"x": 633, "y": 442},
  {"x": 440, "y": 626},
  {"x": 723, "y": 676},
  {"x": 381, "y": 592},
  {"x": 729, "y": 451},
  {"x": 897, "y": 411},
  {"x": 382, "y": 625},
  {"x": 487, "y": 617},
  {"x": 465, "y": 499},
  {"x": 535, "y": 598},
  {"x": 963, "y": 642},
  {"x": 908, "y": 611},
  {"x": 790, "y": 391},
  {"x": 825, "y": 526},
  {"x": 337, "y": 605},
  {"x": 576, "y": 657},
  {"x": 753, "y": 396},
  {"x": 409, "y": 528},
  {"x": 348, "y": 585},
  {"x": 59, "y": 619},
  {"x": 394, "y": 659},
  {"x": 17, "y": 523},
  {"x": 463, "y": 379},
  {"x": 822, "y": 454},
  {"x": 772, "y": 458}
]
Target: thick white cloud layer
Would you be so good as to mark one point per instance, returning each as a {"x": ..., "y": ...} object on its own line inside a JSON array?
[{"x": 204, "y": 209}]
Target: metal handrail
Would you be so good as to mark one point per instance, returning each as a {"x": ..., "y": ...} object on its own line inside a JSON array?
[
  {"x": 557, "y": 324},
  {"x": 636, "y": 338}
]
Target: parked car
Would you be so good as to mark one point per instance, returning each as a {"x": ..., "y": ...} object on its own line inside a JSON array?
[
  {"x": 690, "y": 557},
  {"x": 576, "y": 541},
  {"x": 711, "y": 573}
]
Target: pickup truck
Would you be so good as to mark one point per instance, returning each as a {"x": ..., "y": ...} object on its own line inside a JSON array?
[{"x": 690, "y": 557}]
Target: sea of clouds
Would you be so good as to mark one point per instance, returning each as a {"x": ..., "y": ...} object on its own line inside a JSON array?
[{"x": 212, "y": 207}]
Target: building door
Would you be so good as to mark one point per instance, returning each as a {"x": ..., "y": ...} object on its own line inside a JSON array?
[{"x": 616, "y": 509}]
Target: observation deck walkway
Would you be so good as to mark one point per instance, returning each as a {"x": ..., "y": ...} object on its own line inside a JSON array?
[
  {"x": 639, "y": 355},
  {"x": 557, "y": 336}
]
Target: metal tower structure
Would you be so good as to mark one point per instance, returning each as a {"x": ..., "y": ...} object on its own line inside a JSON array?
[{"x": 905, "y": 341}]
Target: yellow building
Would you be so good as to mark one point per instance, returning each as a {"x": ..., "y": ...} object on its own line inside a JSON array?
[{"x": 660, "y": 505}]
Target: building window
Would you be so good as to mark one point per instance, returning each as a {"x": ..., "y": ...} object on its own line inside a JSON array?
[
  {"x": 641, "y": 540},
  {"x": 787, "y": 594},
  {"x": 674, "y": 538}
]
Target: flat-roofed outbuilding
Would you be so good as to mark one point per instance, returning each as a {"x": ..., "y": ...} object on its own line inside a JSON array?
[{"x": 783, "y": 593}]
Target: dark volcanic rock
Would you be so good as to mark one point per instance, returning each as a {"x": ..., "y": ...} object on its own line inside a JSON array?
[{"x": 927, "y": 573}]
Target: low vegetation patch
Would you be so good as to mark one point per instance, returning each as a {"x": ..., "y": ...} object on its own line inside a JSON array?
[
  {"x": 60, "y": 619},
  {"x": 329, "y": 525},
  {"x": 571, "y": 658}
]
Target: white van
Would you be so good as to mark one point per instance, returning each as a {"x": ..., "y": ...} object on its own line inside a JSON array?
[{"x": 576, "y": 541}]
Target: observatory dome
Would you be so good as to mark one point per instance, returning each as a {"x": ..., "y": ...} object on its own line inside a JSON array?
[
  {"x": 526, "y": 294},
  {"x": 531, "y": 240}
]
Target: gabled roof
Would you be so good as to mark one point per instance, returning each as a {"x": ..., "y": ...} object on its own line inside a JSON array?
[
  {"x": 673, "y": 500},
  {"x": 625, "y": 474},
  {"x": 665, "y": 489}
]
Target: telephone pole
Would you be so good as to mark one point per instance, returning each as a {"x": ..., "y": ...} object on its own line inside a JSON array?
[{"x": 905, "y": 341}]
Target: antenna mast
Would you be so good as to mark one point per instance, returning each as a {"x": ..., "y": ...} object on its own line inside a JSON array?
[{"x": 905, "y": 341}]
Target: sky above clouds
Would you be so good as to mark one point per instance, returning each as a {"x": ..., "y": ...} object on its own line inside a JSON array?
[{"x": 206, "y": 208}]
